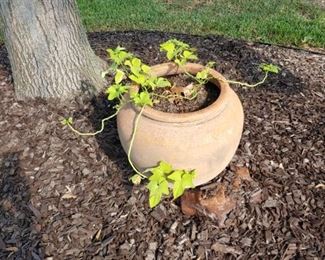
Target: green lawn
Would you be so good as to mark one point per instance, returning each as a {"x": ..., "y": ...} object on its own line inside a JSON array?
[{"x": 288, "y": 22}]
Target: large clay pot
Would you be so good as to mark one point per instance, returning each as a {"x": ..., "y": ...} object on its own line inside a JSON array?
[{"x": 205, "y": 140}]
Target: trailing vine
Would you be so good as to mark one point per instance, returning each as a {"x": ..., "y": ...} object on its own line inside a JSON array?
[{"x": 128, "y": 70}]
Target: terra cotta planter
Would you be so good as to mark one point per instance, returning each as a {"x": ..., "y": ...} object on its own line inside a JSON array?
[{"x": 205, "y": 140}]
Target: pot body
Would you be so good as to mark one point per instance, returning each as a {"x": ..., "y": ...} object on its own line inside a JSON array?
[{"x": 205, "y": 140}]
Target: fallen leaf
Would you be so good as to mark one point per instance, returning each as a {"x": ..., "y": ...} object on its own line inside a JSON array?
[
  {"x": 190, "y": 202},
  {"x": 176, "y": 90},
  {"x": 188, "y": 90},
  {"x": 219, "y": 205}
]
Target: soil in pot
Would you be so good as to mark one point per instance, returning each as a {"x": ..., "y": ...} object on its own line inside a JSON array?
[{"x": 181, "y": 84}]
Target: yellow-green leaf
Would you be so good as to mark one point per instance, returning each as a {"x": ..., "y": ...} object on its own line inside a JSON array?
[
  {"x": 145, "y": 68},
  {"x": 165, "y": 167},
  {"x": 176, "y": 175},
  {"x": 163, "y": 186},
  {"x": 136, "y": 179},
  {"x": 119, "y": 76},
  {"x": 178, "y": 189},
  {"x": 154, "y": 200}
]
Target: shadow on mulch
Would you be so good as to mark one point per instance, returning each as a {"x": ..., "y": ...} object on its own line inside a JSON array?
[
  {"x": 108, "y": 140},
  {"x": 19, "y": 231}
]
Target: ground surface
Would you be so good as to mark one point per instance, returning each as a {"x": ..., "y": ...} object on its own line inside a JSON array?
[{"x": 68, "y": 197}]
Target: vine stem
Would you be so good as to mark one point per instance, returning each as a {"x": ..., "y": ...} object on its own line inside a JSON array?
[
  {"x": 136, "y": 124},
  {"x": 97, "y": 132},
  {"x": 235, "y": 82},
  {"x": 249, "y": 85}
]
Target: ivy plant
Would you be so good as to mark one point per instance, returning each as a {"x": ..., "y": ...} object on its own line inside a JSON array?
[
  {"x": 128, "y": 70},
  {"x": 164, "y": 178},
  {"x": 178, "y": 52}
]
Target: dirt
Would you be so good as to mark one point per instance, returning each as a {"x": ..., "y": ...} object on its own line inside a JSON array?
[
  {"x": 67, "y": 197},
  {"x": 185, "y": 95}
]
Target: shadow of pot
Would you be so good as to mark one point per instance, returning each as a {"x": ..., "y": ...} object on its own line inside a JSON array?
[{"x": 205, "y": 140}]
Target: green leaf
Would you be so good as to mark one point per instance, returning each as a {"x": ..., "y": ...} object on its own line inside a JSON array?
[
  {"x": 160, "y": 171},
  {"x": 270, "y": 68},
  {"x": 136, "y": 62},
  {"x": 187, "y": 179},
  {"x": 128, "y": 63},
  {"x": 123, "y": 55},
  {"x": 178, "y": 189},
  {"x": 168, "y": 46},
  {"x": 112, "y": 93},
  {"x": 67, "y": 121},
  {"x": 187, "y": 54},
  {"x": 182, "y": 180},
  {"x": 210, "y": 64},
  {"x": 192, "y": 57},
  {"x": 162, "y": 83},
  {"x": 145, "y": 68},
  {"x": 157, "y": 175},
  {"x": 163, "y": 186},
  {"x": 154, "y": 199},
  {"x": 170, "y": 55},
  {"x": 134, "y": 78},
  {"x": 118, "y": 55},
  {"x": 143, "y": 99},
  {"x": 153, "y": 186},
  {"x": 156, "y": 190},
  {"x": 116, "y": 91},
  {"x": 165, "y": 167},
  {"x": 111, "y": 53},
  {"x": 133, "y": 93},
  {"x": 119, "y": 76},
  {"x": 136, "y": 179},
  {"x": 135, "y": 71},
  {"x": 179, "y": 62},
  {"x": 176, "y": 175},
  {"x": 202, "y": 74}
]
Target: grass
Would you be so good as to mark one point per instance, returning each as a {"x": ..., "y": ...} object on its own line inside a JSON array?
[{"x": 287, "y": 22}]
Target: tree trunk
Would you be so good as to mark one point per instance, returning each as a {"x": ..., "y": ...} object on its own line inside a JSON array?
[{"x": 48, "y": 49}]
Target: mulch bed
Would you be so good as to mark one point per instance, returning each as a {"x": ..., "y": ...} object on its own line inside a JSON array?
[{"x": 67, "y": 197}]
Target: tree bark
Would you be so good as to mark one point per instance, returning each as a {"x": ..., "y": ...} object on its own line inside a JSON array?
[{"x": 48, "y": 49}]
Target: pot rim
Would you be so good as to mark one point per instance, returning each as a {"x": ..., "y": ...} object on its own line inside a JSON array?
[{"x": 207, "y": 113}]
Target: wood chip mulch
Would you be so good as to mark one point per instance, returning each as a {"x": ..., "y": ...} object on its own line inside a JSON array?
[{"x": 67, "y": 197}]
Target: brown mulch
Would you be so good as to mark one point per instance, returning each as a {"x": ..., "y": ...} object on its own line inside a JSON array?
[{"x": 67, "y": 197}]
